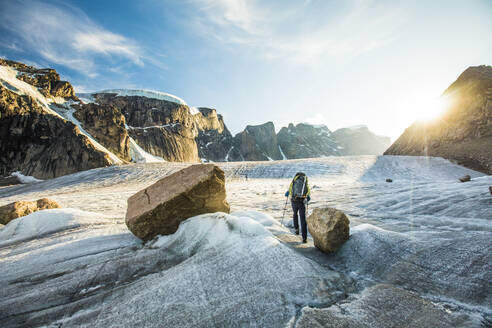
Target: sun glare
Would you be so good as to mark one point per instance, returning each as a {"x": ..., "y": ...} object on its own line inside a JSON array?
[{"x": 433, "y": 108}]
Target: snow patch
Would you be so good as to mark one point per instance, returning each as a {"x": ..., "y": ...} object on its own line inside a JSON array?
[
  {"x": 214, "y": 230},
  {"x": 26, "y": 179},
  {"x": 282, "y": 153},
  {"x": 86, "y": 98},
  {"x": 8, "y": 79},
  {"x": 139, "y": 155},
  {"x": 68, "y": 115},
  {"x": 194, "y": 110},
  {"x": 228, "y": 153},
  {"x": 45, "y": 222},
  {"x": 145, "y": 93},
  {"x": 172, "y": 125}
]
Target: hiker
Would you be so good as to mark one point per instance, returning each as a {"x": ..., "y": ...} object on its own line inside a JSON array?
[{"x": 300, "y": 195}]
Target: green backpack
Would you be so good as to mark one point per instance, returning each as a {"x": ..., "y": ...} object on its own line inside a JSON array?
[{"x": 299, "y": 186}]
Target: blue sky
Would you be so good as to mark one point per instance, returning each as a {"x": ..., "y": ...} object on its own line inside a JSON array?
[{"x": 339, "y": 63}]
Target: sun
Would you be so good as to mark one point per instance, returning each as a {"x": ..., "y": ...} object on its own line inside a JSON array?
[{"x": 433, "y": 108}]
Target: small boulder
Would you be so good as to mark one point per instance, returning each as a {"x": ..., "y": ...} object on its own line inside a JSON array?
[
  {"x": 160, "y": 208},
  {"x": 466, "y": 178},
  {"x": 490, "y": 190},
  {"x": 329, "y": 228},
  {"x": 389, "y": 180},
  {"x": 22, "y": 208},
  {"x": 9, "y": 181}
]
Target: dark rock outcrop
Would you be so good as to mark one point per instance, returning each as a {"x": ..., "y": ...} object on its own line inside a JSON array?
[
  {"x": 160, "y": 208},
  {"x": 329, "y": 228},
  {"x": 464, "y": 132},
  {"x": 107, "y": 125},
  {"x": 41, "y": 144},
  {"x": 214, "y": 139},
  {"x": 256, "y": 143},
  {"x": 360, "y": 141},
  {"x": 22, "y": 208},
  {"x": 307, "y": 141},
  {"x": 9, "y": 181}
]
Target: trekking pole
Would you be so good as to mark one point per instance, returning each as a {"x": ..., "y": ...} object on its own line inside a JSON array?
[{"x": 285, "y": 207}]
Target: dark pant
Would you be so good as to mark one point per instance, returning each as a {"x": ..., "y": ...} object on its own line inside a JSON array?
[{"x": 298, "y": 206}]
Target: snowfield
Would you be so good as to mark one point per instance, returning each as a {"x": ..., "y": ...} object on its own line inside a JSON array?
[{"x": 420, "y": 251}]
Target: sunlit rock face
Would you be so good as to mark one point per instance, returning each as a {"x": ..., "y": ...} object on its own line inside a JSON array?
[
  {"x": 107, "y": 125},
  {"x": 171, "y": 130},
  {"x": 34, "y": 139},
  {"x": 47, "y": 80},
  {"x": 360, "y": 141},
  {"x": 307, "y": 141},
  {"x": 162, "y": 128},
  {"x": 464, "y": 132}
]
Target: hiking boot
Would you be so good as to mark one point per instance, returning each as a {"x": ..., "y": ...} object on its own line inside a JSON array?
[
  {"x": 297, "y": 231},
  {"x": 304, "y": 241}
]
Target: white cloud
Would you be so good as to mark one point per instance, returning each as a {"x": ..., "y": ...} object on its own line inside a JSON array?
[
  {"x": 299, "y": 31},
  {"x": 65, "y": 35}
]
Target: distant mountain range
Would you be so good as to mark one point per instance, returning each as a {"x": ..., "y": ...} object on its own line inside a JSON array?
[
  {"x": 463, "y": 133},
  {"x": 47, "y": 131}
]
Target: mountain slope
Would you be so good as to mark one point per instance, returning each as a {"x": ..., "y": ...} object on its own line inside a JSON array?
[
  {"x": 464, "y": 132},
  {"x": 34, "y": 138},
  {"x": 256, "y": 143},
  {"x": 165, "y": 126},
  {"x": 359, "y": 140},
  {"x": 307, "y": 141}
]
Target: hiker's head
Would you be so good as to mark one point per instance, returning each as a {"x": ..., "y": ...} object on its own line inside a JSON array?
[{"x": 299, "y": 174}]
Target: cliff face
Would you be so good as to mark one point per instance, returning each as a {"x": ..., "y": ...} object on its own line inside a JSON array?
[
  {"x": 107, "y": 125},
  {"x": 214, "y": 139},
  {"x": 307, "y": 141},
  {"x": 256, "y": 143},
  {"x": 41, "y": 144},
  {"x": 170, "y": 129},
  {"x": 464, "y": 132},
  {"x": 46, "y": 80},
  {"x": 360, "y": 141},
  {"x": 260, "y": 143}
]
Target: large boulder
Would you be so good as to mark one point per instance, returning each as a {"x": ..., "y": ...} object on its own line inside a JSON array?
[
  {"x": 160, "y": 208},
  {"x": 329, "y": 228},
  {"x": 22, "y": 208}
]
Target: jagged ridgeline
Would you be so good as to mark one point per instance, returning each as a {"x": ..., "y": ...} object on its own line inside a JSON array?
[
  {"x": 463, "y": 133},
  {"x": 47, "y": 131}
]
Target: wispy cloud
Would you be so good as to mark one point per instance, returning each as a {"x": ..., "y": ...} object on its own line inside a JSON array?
[
  {"x": 64, "y": 35},
  {"x": 301, "y": 31}
]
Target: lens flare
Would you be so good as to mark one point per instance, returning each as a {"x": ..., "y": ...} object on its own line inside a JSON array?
[{"x": 434, "y": 108}]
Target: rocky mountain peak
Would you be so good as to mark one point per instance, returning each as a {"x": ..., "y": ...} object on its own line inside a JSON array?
[
  {"x": 464, "y": 131},
  {"x": 306, "y": 140},
  {"x": 47, "y": 80},
  {"x": 474, "y": 77}
]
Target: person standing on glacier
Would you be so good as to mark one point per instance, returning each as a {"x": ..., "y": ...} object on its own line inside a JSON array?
[{"x": 300, "y": 195}]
